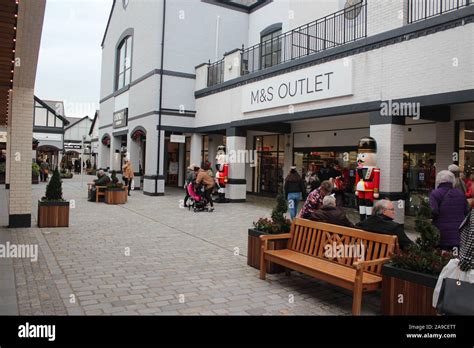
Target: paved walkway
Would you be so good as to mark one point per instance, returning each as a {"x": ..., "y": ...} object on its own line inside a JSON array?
[{"x": 151, "y": 257}]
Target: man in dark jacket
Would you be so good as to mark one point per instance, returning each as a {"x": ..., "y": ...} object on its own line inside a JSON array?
[
  {"x": 382, "y": 222},
  {"x": 102, "y": 180},
  {"x": 331, "y": 214}
]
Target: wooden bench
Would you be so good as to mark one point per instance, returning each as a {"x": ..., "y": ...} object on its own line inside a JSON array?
[
  {"x": 307, "y": 252},
  {"x": 99, "y": 191}
]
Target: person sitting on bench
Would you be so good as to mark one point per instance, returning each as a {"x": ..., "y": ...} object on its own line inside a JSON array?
[
  {"x": 382, "y": 222},
  {"x": 102, "y": 180},
  {"x": 330, "y": 213}
]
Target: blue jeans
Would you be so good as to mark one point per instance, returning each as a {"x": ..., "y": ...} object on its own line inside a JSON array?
[{"x": 293, "y": 199}]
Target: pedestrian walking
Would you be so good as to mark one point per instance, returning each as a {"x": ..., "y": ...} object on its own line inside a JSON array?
[
  {"x": 294, "y": 190},
  {"x": 449, "y": 208},
  {"x": 128, "y": 174}
]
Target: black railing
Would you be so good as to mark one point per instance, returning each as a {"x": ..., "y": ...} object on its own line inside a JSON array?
[
  {"x": 336, "y": 29},
  {"x": 215, "y": 73},
  {"x": 419, "y": 10}
]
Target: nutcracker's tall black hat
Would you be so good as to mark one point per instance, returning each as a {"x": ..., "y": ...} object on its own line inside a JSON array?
[{"x": 367, "y": 145}]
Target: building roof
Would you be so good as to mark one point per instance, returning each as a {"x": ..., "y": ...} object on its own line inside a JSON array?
[
  {"x": 52, "y": 109},
  {"x": 76, "y": 120},
  {"x": 96, "y": 116},
  {"x": 108, "y": 22},
  {"x": 57, "y": 105}
]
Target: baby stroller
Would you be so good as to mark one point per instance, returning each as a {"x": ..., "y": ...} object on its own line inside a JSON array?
[{"x": 196, "y": 200}]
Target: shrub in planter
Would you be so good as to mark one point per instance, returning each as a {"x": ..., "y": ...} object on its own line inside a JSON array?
[
  {"x": 53, "y": 210},
  {"x": 277, "y": 224},
  {"x": 35, "y": 172},
  {"x": 115, "y": 192},
  {"x": 414, "y": 272}
]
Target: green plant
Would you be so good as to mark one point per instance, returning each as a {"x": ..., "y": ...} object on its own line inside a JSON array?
[
  {"x": 54, "y": 190},
  {"x": 2, "y": 168},
  {"x": 278, "y": 222},
  {"x": 423, "y": 256},
  {"x": 114, "y": 181},
  {"x": 35, "y": 169}
]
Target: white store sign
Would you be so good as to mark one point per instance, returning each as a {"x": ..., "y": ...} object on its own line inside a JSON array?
[
  {"x": 174, "y": 138},
  {"x": 329, "y": 80}
]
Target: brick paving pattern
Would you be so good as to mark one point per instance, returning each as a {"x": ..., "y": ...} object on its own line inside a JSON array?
[{"x": 150, "y": 257}]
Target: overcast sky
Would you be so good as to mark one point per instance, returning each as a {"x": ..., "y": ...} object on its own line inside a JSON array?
[{"x": 70, "y": 54}]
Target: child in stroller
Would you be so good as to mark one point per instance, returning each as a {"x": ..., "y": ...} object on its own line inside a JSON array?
[{"x": 196, "y": 199}]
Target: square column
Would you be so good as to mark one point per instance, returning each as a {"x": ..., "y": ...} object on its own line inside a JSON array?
[
  {"x": 21, "y": 134},
  {"x": 236, "y": 188},
  {"x": 154, "y": 180},
  {"x": 389, "y": 132},
  {"x": 196, "y": 149},
  {"x": 445, "y": 145}
]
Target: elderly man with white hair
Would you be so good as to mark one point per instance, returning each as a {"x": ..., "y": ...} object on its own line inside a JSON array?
[
  {"x": 382, "y": 222},
  {"x": 331, "y": 214},
  {"x": 449, "y": 208}
]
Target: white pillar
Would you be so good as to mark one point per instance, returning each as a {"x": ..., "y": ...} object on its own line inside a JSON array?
[
  {"x": 390, "y": 139},
  {"x": 196, "y": 149},
  {"x": 236, "y": 188}
]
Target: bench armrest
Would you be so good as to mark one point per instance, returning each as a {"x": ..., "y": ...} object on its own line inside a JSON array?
[
  {"x": 275, "y": 236},
  {"x": 363, "y": 264}
]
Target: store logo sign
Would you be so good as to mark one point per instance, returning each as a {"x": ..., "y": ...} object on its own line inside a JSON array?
[
  {"x": 121, "y": 118},
  {"x": 319, "y": 82}
]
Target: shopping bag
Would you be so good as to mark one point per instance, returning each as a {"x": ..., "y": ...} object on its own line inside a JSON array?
[
  {"x": 454, "y": 291},
  {"x": 132, "y": 184}
]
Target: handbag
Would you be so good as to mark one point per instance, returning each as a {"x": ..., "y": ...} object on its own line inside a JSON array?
[{"x": 456, "y": 297}]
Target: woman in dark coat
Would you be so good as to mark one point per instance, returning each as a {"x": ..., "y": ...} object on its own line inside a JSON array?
[
  {"x": 294, "y": 189},
  {"x": 449, "y": 208}
]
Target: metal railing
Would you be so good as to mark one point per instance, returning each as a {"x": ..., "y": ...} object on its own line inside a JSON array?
[
  {"x": 215, "y": 73},
  {"x": 336, "y": 29},
  {"x": 419, "y": 10}
]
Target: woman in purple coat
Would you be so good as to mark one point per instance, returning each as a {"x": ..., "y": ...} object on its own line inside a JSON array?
[{"x": 449, "y": 207}]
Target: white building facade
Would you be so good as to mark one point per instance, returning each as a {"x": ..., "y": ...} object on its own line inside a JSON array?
[{"x": 310, "y": 80}]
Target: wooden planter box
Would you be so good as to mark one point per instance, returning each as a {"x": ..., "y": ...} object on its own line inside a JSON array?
[
  {"x": 253, "y": 251},
  {"x": 116, "y": 196},
  {"x": 2, "y": 178},
  {"x": 416, "y": 288},
  {"x": 53, "y": 214}
]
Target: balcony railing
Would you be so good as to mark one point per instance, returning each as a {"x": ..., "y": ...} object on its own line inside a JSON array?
[
  {"x": 419, "y": 10},
  {"x": 215, "y": 73},
  {"x": 336, "y": 29}
]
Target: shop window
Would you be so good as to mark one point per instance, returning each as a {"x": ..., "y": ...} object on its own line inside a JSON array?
[
  {"x": 268, "y": 172},
  {"x": 124, "y": 63},
  {"x": 271, "y": 46},
  {"x": 466, "y": 146},
  {"x": 41, "y": 115},
  {"x": 205, "y": 149}
]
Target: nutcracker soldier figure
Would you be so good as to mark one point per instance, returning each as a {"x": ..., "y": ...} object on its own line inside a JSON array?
[
  {"x": 222, "y": 173},
  {"x": 367, "y": 176}
]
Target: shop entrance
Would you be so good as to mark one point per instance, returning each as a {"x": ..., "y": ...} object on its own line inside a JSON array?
[
  {"x": 268, "y": 172},
  {"x": 50, "y": 153},
  {"x": 171, "y": 163}
]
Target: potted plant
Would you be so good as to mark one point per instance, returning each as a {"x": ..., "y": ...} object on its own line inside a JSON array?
[
  {"x": 410, "y": 277},
  {"x": 115, "y": 192},
  {"x": 53, "y": 210},
  {"x": 277, "y": 224},
  {"x": 35, "y": 172},
  {"x": 2, "y": 172}
]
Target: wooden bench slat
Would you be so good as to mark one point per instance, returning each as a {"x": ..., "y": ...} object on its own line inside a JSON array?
[{"x": 321, "y": 265}]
